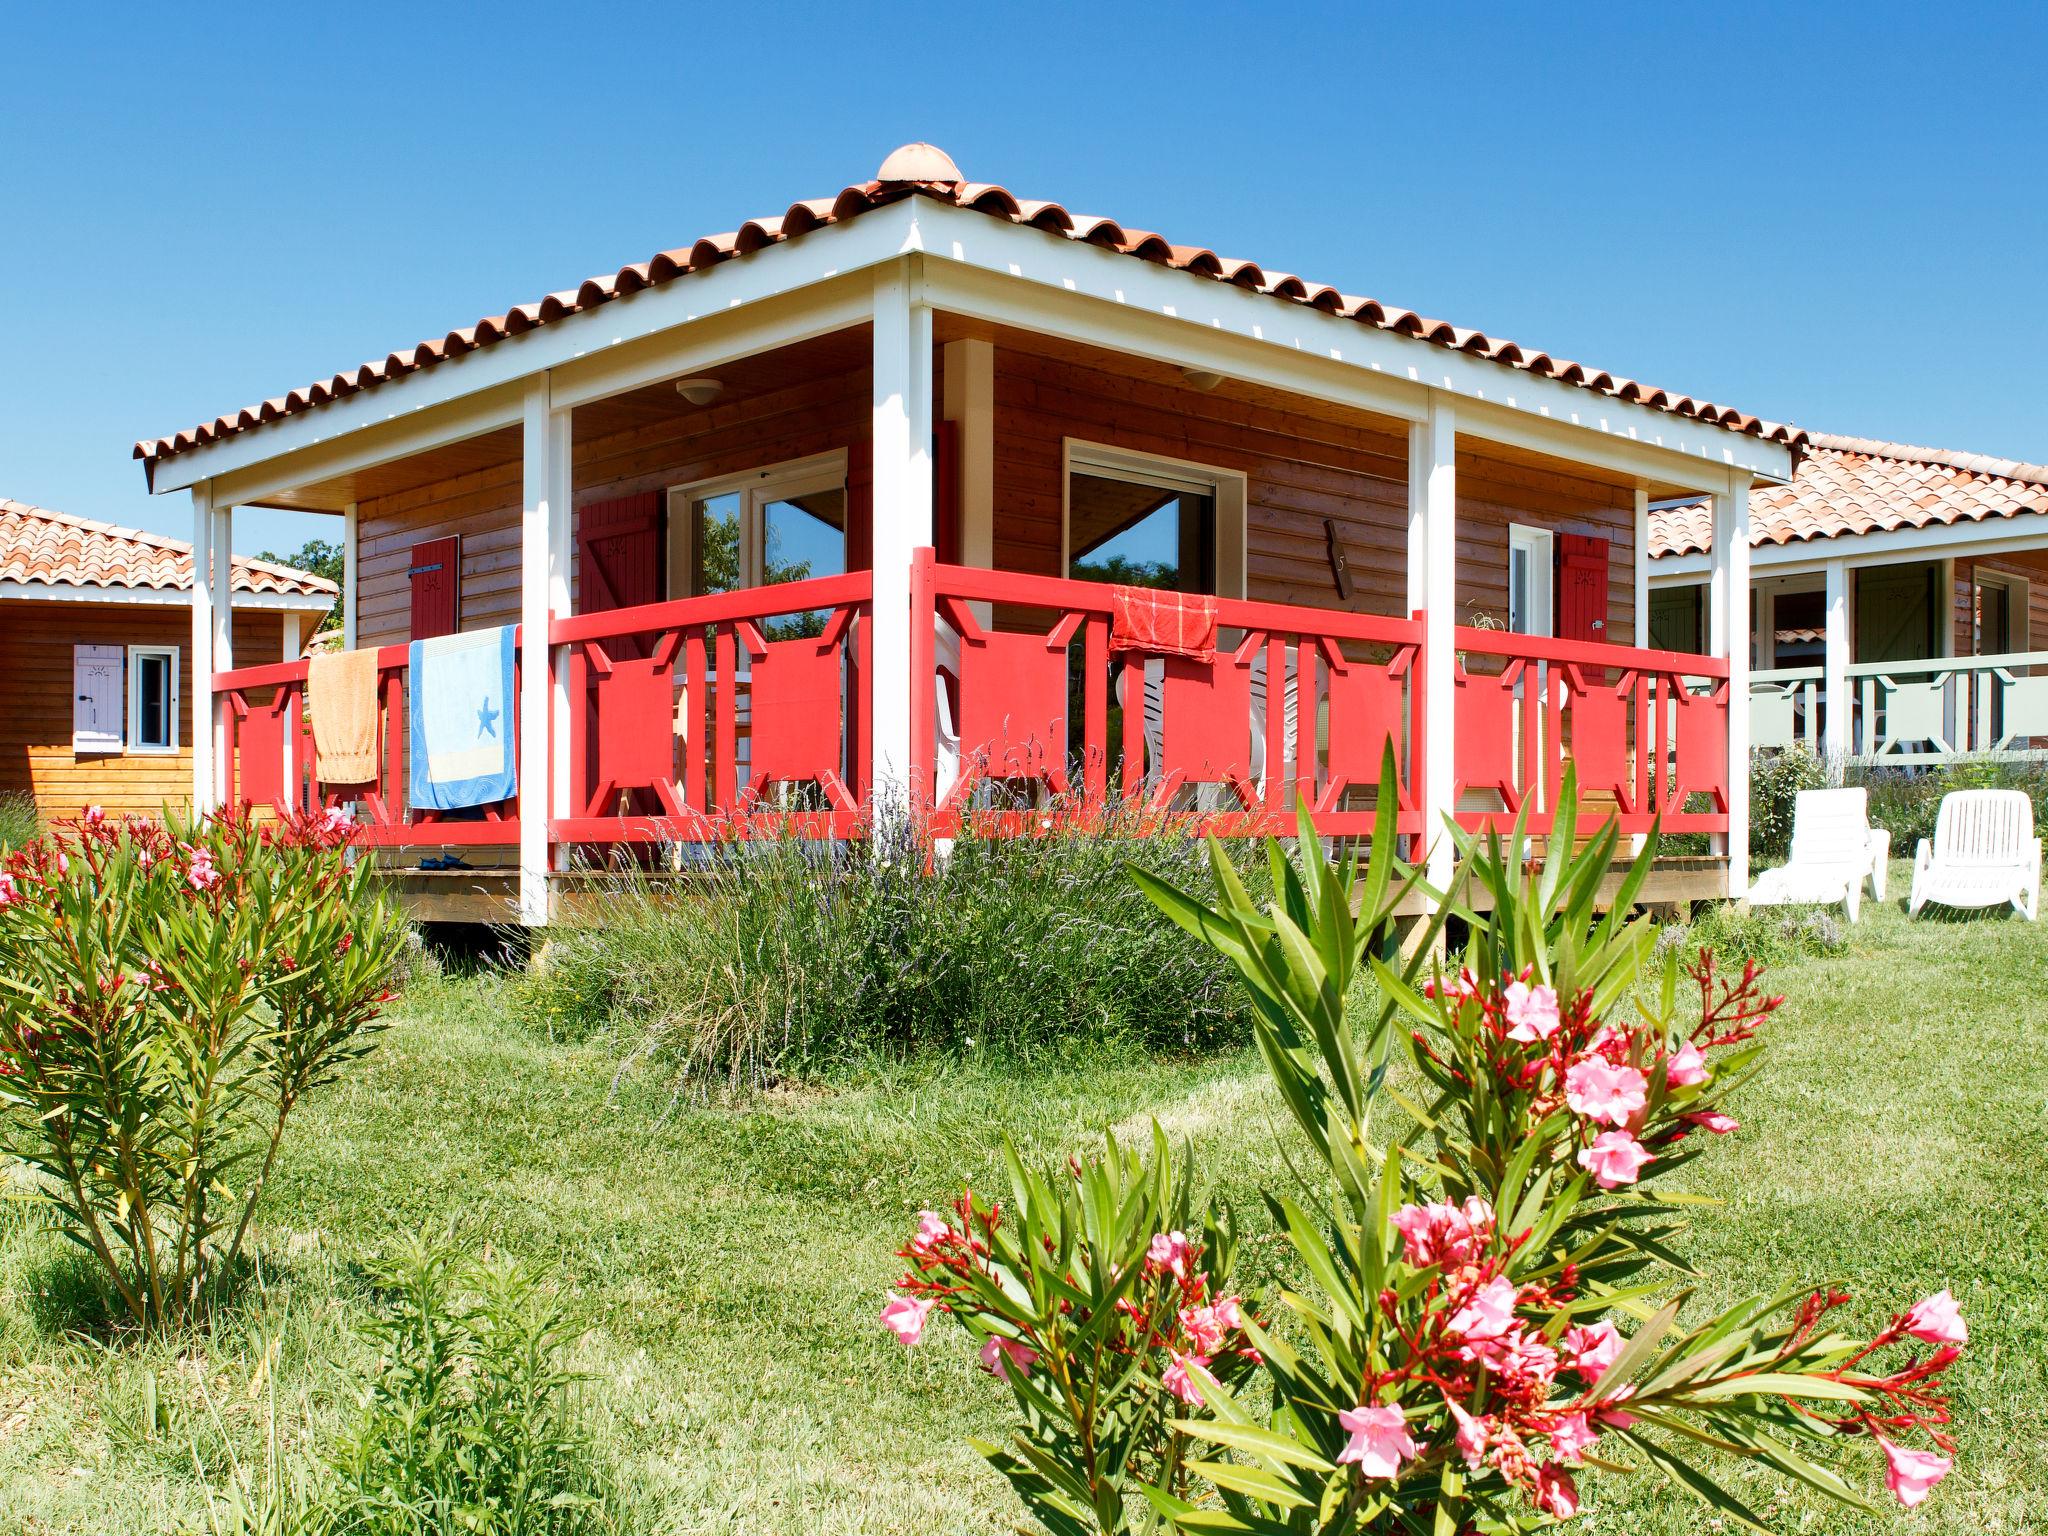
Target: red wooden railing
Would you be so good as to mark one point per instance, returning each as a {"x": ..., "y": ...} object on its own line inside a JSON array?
[
  {"x": 721, "y": 716},
  {"x": 1032, "y": 691},
  {"x": 710, "y": 716},
  {"x": 1647, "y": 731},
  {"x": 270, "y": 761}
]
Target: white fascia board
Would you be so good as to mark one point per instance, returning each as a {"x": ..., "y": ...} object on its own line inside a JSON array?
[
  {"x": 1245, "y": 334},
  {"x": 156, "y": 597},
  {"x": 1491, "y": 395},
  {"x": 1992, "y": 536},
  {"x": 500, "y": 369}
]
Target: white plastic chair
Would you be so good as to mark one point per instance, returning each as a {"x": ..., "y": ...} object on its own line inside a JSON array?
[
  {"x": 1984, "y": 853},
  {"x": 1834, "y": 850}
]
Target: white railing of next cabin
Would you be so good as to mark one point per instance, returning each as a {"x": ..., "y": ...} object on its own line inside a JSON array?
[{"x": 1911, "y": 712}]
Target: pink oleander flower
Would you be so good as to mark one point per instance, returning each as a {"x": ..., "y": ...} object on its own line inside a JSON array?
[
  {"x": 1178, "y": 1379},
  {"x": 1459, "y": 990},
  {"x": 1570, "y": 1436},
  {"x": 200, "y": 871},
  {"x": 1518, "y": 1357},
  {"x": 1556, "y": 1493},
  {"x": 1487, "y": 1313},
  {"x": 1230, "y": 1311},
  {"x": 904, "y": 1316},
  {"x": 10, "y": 893},
  {"x": 1168, "y": 1254},
  {"x": 931, "y": 1231},
  {"x": 1937, "y": 1321},
  {"x": 1532, "y": 1011},
  {"x": 1614, "y": 1159},
  {"x": 1600, "y": 1090},
  {"x": 1909, "y": 1474},
  {"x": 94, "y": 815},
  {"x": 1472, "y": 1435},
  {"x": 1686, "y": 1067},
  {"x": 1204, "y": 1328},
  {"x": 1379, "y": 1440},
  {"x": 999, "y": 1354},
  {"x": 1591, "y": 1348},
  {"x": 1444, "y": 1234},
  {"x": 1713, "y": 1120}
]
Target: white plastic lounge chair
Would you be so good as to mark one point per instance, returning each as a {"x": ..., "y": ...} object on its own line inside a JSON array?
[
  {"x": 1834, "y": 850},
  {"x": 1984, "y": 853}
]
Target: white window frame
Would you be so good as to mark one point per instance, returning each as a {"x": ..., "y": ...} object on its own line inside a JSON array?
[
  {"x": 1538, "y": 547},
  {"x": 1228, "y": 491},
  {"x": 2018, "y": 598},
  {"x": 135, "y": 746},
  {"x": 757, "y": 488}
]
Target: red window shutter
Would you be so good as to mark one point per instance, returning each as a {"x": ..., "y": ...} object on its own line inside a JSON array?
[
  {"x": 946, "y": 492},
  {"x": 1581, "y": 587},
  {"x": 622, "y": 561},
  {"x": 436, "y": 574}
]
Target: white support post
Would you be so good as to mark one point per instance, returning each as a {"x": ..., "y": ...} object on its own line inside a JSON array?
[
  {"x": 1836, "y": 742},
  {"x": 348, "y": 577},
  {"x": 1642, "y": 568},
  {"x": 902, "y": 517},
  {"x": 202, "y": 647},
  {"x": 543, "y": 519},
  {"x": 1418, "y": 518},
  {"x": 223, "y": 562},
  {"x": 1729, "y": 594},
  {"x": 288, "y": 650},
  {"x": 1433, "y": 448}
]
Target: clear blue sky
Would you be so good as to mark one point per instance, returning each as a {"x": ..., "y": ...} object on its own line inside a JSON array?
[{"x": 1836, "y": 215}]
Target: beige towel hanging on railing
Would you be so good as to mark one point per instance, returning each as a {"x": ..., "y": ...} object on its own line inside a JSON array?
[{"x": 341, "y": 697}]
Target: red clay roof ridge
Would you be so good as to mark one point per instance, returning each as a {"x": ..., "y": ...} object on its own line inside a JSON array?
[
  {"x": 924, "y": 170},
  {"x": 248, "y": 565},
  {"x": 1975, "y": 463}
]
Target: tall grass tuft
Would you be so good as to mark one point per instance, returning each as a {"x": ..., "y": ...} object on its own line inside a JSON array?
[
  {"x": 18, "y": 821},
  {"x": 1905, "y": 801},
  {"x": 782, "y": 955}
]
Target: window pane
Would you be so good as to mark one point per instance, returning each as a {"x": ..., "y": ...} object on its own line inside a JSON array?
[
  {"x": 715, "y": 538},
  {"x": 1141, "y": 535},
  {"x": 1518, "y": 588},
  {"x": 802, "y": 537},
  {"x": 153, "y": 701}
]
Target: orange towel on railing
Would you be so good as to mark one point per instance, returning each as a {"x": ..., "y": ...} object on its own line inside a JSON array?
[
  {"x": 1162, "y": 623},
  {"x": 341, "y": 698}
]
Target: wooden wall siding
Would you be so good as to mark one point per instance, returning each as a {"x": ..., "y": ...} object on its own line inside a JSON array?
[
  {"x": 817, "y": 415},
  {"x": 35, "y": 728},
  {"x": 1301, "y": 467},
  {"x": 2033, "y": 568}
]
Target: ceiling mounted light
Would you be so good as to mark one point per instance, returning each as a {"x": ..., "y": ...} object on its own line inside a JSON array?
[
  {"x": 699, "y": 391},
  {"x": 1201, "y": 378}
]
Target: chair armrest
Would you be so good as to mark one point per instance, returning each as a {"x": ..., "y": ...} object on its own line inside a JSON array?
[{"x": 1880, "y": 846}]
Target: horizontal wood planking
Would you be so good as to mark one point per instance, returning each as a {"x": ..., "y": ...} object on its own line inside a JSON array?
[
  {"x": 36, "y": 638},
  {"x": 1302, "y": 466},
  {"x": 680, "y": 446},
  {"x": 2033, "y": 568}
]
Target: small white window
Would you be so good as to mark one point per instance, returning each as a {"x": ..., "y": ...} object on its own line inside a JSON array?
[
  {"x": 1530, "y": 577},
  {"x": 783, "y": 522},
  {"x": 152, "y": 698}
]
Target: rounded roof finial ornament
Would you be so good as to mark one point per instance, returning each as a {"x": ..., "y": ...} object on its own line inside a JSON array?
[{"x": 919, "y": 162}]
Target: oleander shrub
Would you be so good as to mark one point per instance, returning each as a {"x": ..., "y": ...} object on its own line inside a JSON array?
[
  {"x": 1486, "y": 1312},
  {"x": 1776, "y": 775},
  {"x": 169, "y": 994},
  {"x": 780, "y": 954}
]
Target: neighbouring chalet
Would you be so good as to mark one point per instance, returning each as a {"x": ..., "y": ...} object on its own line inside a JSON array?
[
  {"x": 1911, "y": 582},
  {"x": 845, "y": 509},
  {"x": 96, "y": 659}
]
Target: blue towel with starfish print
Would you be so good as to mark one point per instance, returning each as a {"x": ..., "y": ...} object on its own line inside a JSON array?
[{"x": 459, "y": 710}]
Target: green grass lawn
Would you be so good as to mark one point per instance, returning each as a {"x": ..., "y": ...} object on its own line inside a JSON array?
[{"x": 731, "y": 1261}]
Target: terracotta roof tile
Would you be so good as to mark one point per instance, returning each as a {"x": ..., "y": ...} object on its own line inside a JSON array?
[
  {"x": 924, "y": 171},
  {"x": 57, "y": 549},
  {"x": 1854, "y": 485}
]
